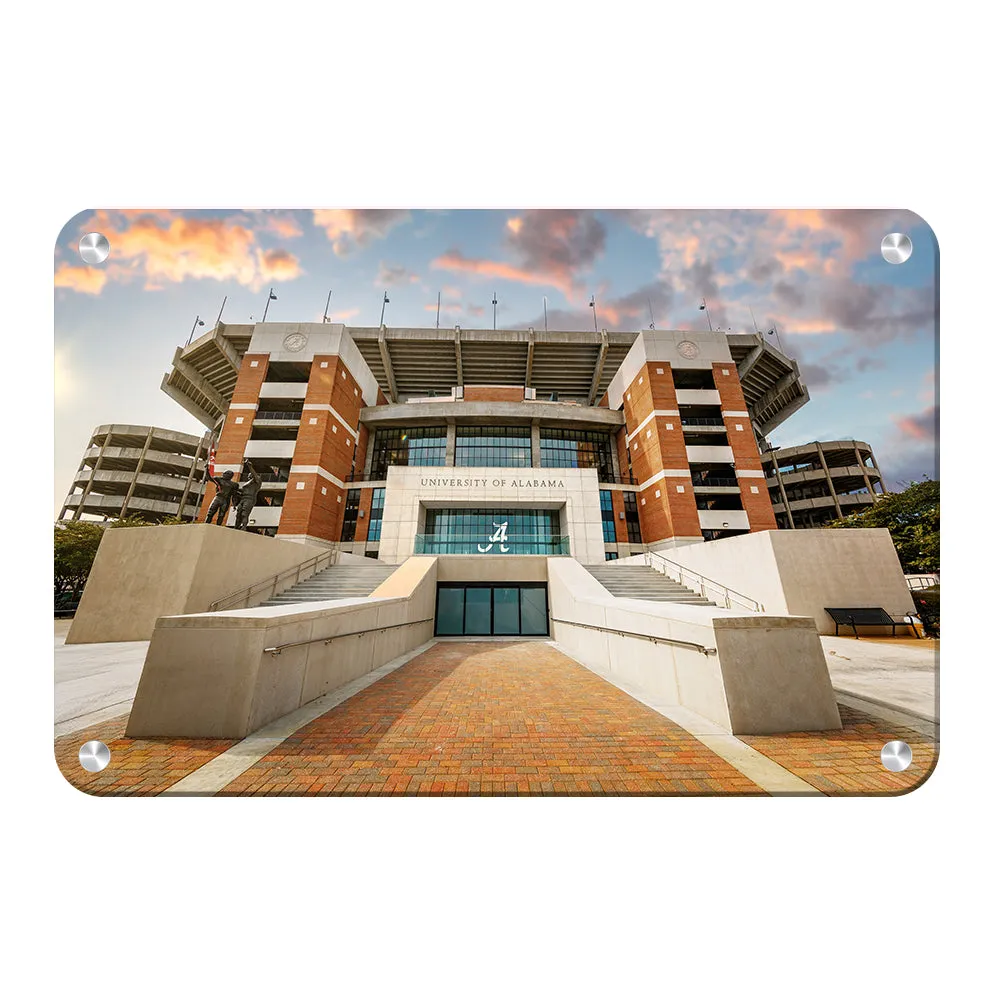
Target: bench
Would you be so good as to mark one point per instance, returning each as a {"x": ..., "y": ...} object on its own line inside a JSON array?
[{"x": 868, "y": 616}]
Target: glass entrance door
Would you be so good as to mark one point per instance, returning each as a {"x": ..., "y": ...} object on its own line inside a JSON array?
[{"x": 492, "y": 609}]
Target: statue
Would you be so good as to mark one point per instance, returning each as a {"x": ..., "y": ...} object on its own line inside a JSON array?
[
  {"x": 226, "y": 493},
  {"x": 248, "y": 497}
]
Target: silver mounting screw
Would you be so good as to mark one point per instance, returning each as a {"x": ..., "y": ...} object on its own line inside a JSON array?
[
  {"x": 896, "y": 248},
  {"x": 896, "y": 755},
  {"x": 94, "y": 756},
  {"x": 94, "y": 248}
]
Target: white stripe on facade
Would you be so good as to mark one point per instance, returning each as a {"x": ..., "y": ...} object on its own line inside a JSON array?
[
  {"x": 749, "y": 474},
  {"x": 735, "y": 413},
  {"x": 303, "y": 470},
  {"x": 652, "y": 416},
  {"x": 326, "y": 406},
  {"x": 243, "y": 406},
  {"x": 663, "y": 474}
]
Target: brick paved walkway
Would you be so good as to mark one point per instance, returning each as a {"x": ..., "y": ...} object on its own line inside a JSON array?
[
  {"x": 138, "y": 767},
  {"x": 849, "y": 762},
  {"x": 491, "y": 719},
  {"x": 497, "y": 718}
]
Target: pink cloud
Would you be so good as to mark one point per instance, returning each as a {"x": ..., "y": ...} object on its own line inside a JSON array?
[
  {"x": 351, "y": 228},
  {"x": 89, "y": 280}
]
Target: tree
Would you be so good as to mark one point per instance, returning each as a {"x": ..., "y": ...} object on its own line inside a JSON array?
[
  {"x": 913, "y": 518},
  {"x": 76, "y": 545}
]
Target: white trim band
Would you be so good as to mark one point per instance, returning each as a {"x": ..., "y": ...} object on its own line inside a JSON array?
[
  {"x": 651, "y": 416},
  {"x": 305, "y": 470},
  {"x": 326, "y": 406}
]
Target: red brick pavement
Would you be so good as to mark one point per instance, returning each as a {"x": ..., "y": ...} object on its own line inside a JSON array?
[
  {"x": 491, "y": 719},
  {"x": 137, "y": 767},
  {"x": 501, "y": 719},
  {"x": 849, "y": 762}
]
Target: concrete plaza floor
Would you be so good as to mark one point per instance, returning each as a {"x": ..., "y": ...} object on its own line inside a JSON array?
[{"x": 489, "y": 718}]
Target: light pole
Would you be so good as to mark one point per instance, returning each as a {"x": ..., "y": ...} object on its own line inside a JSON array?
[
  {"x": 708, "y": 315},
  {"x": 198, "y": 321},
  {"x": 494, "y": 310},
  {"x": 270, "y": 296},
  {"x": 593, "y": 306},
  {"x": 385, "y": 302}
]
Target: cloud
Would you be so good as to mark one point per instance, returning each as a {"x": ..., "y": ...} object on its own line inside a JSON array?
[
  {"x": 350, "y": 229},
  {"x": 89, "y": 280},
  {"x": 919, "y": 426},
  {"x": 394, "y": 274},
  {"x": 164, "y": 247},
  {"x": 797, "y": 268},
  {"x": 912, "y": 451},
  {"x": 548, "y": 248},
  {"x": 474, "y": 310},
  {"x": 278, "y": 265},
  {"x": 453, "y": 260},
  {"x": 344, "y": 314}
]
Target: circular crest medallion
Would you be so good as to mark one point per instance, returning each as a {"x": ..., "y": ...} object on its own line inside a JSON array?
[
  {"x": 294, "y": 342},
  {"x": 688, "y": 349}
]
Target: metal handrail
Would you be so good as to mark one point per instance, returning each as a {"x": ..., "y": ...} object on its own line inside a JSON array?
[
  {"x": 703, "y": 582},
  {"x": 276, "y": 650},
  {"x": 654, "y": 639},
  {"x": 239, "y": 597},
  {"x": 715, "y": 481}
]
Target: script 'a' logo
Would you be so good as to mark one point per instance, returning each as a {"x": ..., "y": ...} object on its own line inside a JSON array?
[{"x": 500, "y": 535}]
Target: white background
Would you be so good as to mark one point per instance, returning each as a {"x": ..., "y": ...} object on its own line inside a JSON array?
[{"x": 519, "y": 105}]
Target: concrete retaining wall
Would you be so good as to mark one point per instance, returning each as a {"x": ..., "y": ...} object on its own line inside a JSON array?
[
  {"x": 208, "y": 675},
  {"x": 801, "y": 572},
  {"x": 141, "y": 574},
  {"x": 769, "y": 674}
]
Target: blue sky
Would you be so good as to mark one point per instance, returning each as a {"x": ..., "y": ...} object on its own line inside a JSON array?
[{"x": 863, "y": 331}]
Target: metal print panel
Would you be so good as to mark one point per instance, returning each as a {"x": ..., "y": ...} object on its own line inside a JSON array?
[{"x": 520, "y": 502}]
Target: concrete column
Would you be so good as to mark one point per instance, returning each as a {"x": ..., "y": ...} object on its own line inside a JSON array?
[
  {"x": 829, "y": 479},
  {"x": 370, "y": 454},
  {"x": 206, "y": 444},
  {"x": 449, "y": 448},
  {"x": 784, "y": 495},
  {"x": 536, "y": 445},
  {"x": 138, "y": 469},
  {"x": 864, "y": 471},
  {"x": 93, "y": 472},
  {"x": 614, "y": 459}
]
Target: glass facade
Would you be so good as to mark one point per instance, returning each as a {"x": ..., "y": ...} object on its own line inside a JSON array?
[
  {"x": 632, "y": 518},
  {"x": 577, "y": 449},
  {"x": 350, "y": 515},
  {"x": 485, "y": 609},
  {"x": 375, "y": 514},
  {"x": 468, "y": 531},
  {"x": 500, "y": 447},
  {"x": 607, "y": 516},
  {"x": 407, "y": 446}
]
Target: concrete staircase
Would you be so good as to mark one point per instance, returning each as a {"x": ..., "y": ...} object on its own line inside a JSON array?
[
  {"x": 335, "y": 583},
  {"x": 643, "y": 583}
]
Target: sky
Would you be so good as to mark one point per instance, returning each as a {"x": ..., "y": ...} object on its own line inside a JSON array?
[{"x": 863, "y": 331}]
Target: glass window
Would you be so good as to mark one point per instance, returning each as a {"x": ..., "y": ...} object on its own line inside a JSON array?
[
  {"x": 450, "y": 531},
  {"x": 632, "y": 518},
  {"x": 506, "y": 617},
  {"x": 607, "y": 516},
  {"x": 375, "y": 521},
  {"x": 577, "y": 449},
  {"x": 534, "y": 614},
  {"x": 477, "y": 610},
  {"x": 451, "y": 610},
  {"x": 503, "y": 447},
  {"x": 609, "y": 556},
  {"x": 407, "y": 446},
  {"x": 350, "y": 515}
]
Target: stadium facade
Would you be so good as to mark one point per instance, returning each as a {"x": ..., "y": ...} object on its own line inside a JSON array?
[{"x": 392, "y": 442}]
